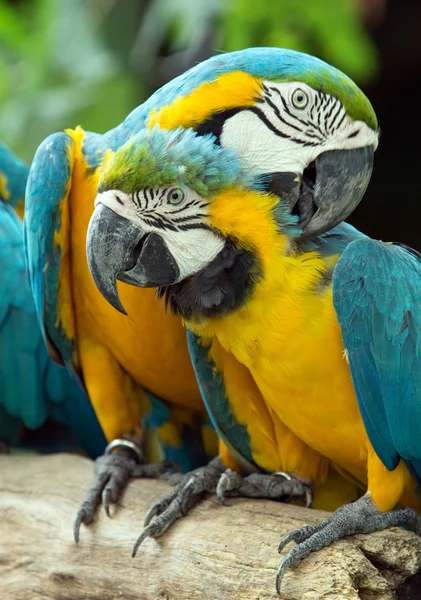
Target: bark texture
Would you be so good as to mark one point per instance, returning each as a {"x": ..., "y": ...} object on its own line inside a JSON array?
[{"x": 215, "y": 553}]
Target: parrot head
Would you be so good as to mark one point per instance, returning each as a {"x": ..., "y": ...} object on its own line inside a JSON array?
[{"x": 182, "y": 203}]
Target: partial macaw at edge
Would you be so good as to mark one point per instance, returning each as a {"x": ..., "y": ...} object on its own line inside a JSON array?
[{"x": 32, "y": 388}]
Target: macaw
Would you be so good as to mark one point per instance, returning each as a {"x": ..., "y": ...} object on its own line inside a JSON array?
[
  {"x": 135, "y": 372},
  {"x": 32, "y": 387},
  {"x": 305, "y": 343}
]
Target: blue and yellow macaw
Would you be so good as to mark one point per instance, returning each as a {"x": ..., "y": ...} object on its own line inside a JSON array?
[
  {"x": 134, "y": 371},
  {"x": 32, "y": 387},
  {"x": 306, "y": 344}
]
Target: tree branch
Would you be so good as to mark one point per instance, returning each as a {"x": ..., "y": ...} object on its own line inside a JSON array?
[{"x": 214, "y": 553}]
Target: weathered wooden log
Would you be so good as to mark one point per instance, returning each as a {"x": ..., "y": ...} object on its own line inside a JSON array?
[{"x": 215, "y": 553}]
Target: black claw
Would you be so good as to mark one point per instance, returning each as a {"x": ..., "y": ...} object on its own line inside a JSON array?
[
  {"x": 106, "y": 497},
  {"x": 80, "y": 517},
  {"x": 280, "y": 574},
  {"x": 287, "y": 539},
  {"x": 139, "y": 540},
  {"x": 156, "y": 510},
  {"x": 152, "y": 512}
]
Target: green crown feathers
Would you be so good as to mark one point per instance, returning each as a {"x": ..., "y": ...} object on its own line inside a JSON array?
[{"x": 159, "y": 157}]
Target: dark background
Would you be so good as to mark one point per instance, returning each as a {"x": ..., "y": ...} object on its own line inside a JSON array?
[
  {"x": 90, "y": 62},
  {"x": 391, "y": 209}
]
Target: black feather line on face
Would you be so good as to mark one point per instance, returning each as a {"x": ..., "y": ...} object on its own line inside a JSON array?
[
  {"x": 220, "y": 288},
  {"x": 215, "y": 123}
]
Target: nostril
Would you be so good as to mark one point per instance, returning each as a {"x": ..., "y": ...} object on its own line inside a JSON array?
[{"x": 119, "y": 200}]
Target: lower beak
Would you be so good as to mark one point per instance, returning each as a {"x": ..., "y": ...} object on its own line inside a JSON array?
[
  {"x": 329, "y": 190},
  {"x": 118, "y": 249}
]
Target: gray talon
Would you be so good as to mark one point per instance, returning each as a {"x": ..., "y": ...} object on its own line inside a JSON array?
[
  {"x": 226, "y": 482},
  {"x": 106, "y": 496},
  {"x": 179, "y": 502},
  {"x": 113, "y": 471},
  {"x": 159, "y": 508},
  {"x": 139, "y": 540},
  {"x": 359, "y": 517}
]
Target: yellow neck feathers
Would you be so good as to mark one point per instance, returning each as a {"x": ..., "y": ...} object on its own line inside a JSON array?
[{"x": 248, "y": 218}]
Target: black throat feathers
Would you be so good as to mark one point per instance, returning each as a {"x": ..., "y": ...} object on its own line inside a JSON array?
[{"x": 221, "y": 287}]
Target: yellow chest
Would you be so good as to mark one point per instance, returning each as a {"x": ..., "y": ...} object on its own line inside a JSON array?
[{"x": 291, "y": 344}]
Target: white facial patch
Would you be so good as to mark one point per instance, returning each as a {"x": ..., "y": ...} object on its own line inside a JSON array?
[
  {"x": 193, "y": 250},
  {"x": 291, "y": 127},
  {"x": 178, "y": 214}
]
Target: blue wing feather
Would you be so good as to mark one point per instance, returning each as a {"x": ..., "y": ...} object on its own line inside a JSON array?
[
  {"x": 191, "y": 453},
  {"x": 20, "y": 338},
  {"x": 333, "y": 241},
  {"x": 377, "y": 298},
  {"x": 32, "y": 387},
  {"x": 47, "y": 187},
  {"x": 234, "y": 435}
]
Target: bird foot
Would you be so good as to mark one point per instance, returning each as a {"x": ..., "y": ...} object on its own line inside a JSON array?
[
  {"x": 178, "y": 503},
  {"x": 225, "y": 482},
  {"x": 361, "y": 516},
  {"x": 277, "y": 486},
  {"x": 122, "y": 460}
]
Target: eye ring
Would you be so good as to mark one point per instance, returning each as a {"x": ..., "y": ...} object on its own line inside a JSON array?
[
  {"x": 299, "y": 99},
  {"x": 175, "y": 196}
]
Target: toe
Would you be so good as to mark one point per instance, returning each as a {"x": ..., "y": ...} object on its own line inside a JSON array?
[{"x": 83, "y": 516}]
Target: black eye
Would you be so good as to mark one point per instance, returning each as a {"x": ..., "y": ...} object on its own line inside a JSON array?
[
  {"x": 299, "y": 99},
  {"x": 175, "y": 196}
]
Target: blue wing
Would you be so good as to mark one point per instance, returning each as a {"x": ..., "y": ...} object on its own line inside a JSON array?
[
  {"x": 377, "y": 298},
  {"x": 234, "y": 435},
  {"x": 21, "y": 357},
  {"x": 189, "y": 452},
  {"x": 45, "y": 226},
  {"x": 333, "y": 241},
  {"x": 45, "y": 202},
  {"x": 13, "y": 176}
]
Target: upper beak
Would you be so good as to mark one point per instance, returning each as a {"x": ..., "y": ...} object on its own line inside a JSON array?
[
  {"x": 329, "y": 190},
  {"x": 118, "y": 249}
]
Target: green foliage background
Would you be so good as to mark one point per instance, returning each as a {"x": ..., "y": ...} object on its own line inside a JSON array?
[{"x": 90, "y": 62}]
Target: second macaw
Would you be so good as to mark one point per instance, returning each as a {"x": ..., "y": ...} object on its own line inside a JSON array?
[
  {"x": 307, "y": 351},
  {"x": 134, "y": 371},
  {"x": 32, "y": 387}
]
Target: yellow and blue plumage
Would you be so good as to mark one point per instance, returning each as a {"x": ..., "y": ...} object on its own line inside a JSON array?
[
  {"x": 132, "y": 370},
  {"x": 274, "y": 304},
  {"x": 32, "y": 387}
]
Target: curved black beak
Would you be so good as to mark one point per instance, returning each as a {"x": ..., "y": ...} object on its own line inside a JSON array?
[
  {"x": 328, "y": 191},
  {"x": 118, "y": 249}
]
